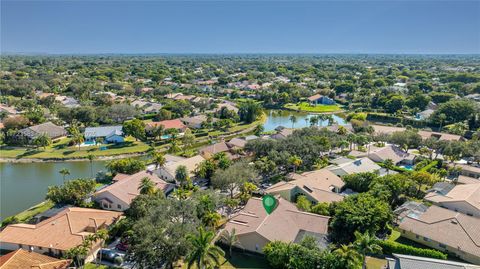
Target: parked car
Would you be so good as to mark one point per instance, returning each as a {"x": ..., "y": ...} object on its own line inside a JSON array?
[{"x": 109, "y": 255}]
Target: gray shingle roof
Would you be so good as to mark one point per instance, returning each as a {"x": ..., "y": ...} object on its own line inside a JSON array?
[
  {"x": 103, "y": 131},
  {"x": 47, "y": 128},
  {"x": 414, "y": 262}
]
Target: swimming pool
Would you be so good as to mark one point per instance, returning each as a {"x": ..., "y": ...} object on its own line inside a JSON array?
[
  {"x": 88, "y": 144},
  {"x": 408, "y": 167}
]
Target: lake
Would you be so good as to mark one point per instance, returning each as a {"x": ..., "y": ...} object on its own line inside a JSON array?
[
  {"x": 277, "y": 118},
  {"x": 23, "y": 185}
]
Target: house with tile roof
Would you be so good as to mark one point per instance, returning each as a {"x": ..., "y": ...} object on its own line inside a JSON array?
[
  {"x": 448, "y": 231},
  {"x": 463, "y": 198},
  {"x": 467, "y": 180},
  {"x": 318, "y": 186},
  {"x": 391, "y": 152},
  {"x": 400, "y": 261},
  {"x": 119, "y": 195},
  {"x": 255, "y": 228},
  {"x": 387, "y": 130},
  {"x": 57, "y": 234},
  {"x": 282, "y": 132},
  {"x": 22, "y": 259},
  {"x": 49, "y": 129},
  {"x": 346, "y": 166},
  {"x": 227, "y": 105},
  {"x": 319, "y": 99},
  {"x": 167, "y": 172},
  {"x": 237, "y": 142},
  {"x": 196, "y": 122},
  {"x": 167, "y": 124},
  {"x": 108, "y": 134},
  {"x": 469, "y": 170},
  {"x": 210, "y": 150}
]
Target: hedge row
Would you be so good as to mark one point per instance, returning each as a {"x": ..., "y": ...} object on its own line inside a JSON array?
[
  {"x": 429, "y": 166},
  {"x": 394, "y": 119},
  {"x": 390, "y": 247}
]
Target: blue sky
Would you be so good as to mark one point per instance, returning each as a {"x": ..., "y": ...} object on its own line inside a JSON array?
[{"x": 240, "y": 26}]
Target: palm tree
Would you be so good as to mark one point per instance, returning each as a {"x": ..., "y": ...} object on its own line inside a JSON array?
[
  {"x": 342, "y": 130},
  {"x": 211, "y": 219},
  {"x": 100, "y": 235},
  {"x": 295, "y": 161},
  {"x": 147, "y": 186},
  {"x": 330, "y": 119},
  {"x": 91, "y": 157},
  {"x": 231, "y": 239},
  {"x": 181, "y": 194},
  {"x": 159, "y": 160},
  {"x": 342, "y": 144},
  {"x": 313, "y": 121},
  {"x": 258, "y": 130},
  {"x": 174, "y": 146},
  {"x": 322, "y": 118},
  {"x": 366, "y": 244},
  {"x": 351, "y": 138},
  {"x": 65, "y": 172},
  {"x": 348, "y": 255},
  {"x": 204, "y": 254},
  {"x": 441, "y": 118},
  {"x": 77, "y": 139},
  {"x": 181, "y": 175},
  {"x": 293, "y": 119},
  {"x": 389, "y": 165},
  {"x": 158, "y": 132}
]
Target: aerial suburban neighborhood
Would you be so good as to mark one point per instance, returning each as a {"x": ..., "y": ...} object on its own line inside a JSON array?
[{"x": 240, "y": 134}]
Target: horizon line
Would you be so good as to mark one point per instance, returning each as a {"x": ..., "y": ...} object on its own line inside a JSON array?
[{"x": 230, "y": 53}]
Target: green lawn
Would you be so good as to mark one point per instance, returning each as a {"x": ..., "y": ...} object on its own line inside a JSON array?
[
  {"x": 32, "y": 211},
  {"x": 394, "y": 236},
  {"x": 240, "y": 127},
  {"x": 304, "y": 106},
  {"x": 61, "y": 150},
  {"x": 375, "y": 263}
]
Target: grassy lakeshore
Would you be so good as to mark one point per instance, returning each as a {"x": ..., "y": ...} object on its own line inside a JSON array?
[
  {"x": 26, "y": 215},
  {"x": 304, "y": 106},
  {"x": 61, "y": 150}
]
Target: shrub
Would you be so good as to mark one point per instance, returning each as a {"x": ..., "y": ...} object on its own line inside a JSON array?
[
  {"x": 10, "y": 220},
  {"x": 126, "y": 166},
  {"x": 429, "y": 166},
  {"x": 390, "y": 247}
]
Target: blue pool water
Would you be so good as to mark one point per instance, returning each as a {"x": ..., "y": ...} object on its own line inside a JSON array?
[{"x": 408, "y": 167}]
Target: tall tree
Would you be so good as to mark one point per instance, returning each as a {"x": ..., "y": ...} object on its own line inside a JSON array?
[
  {"x": 91, "y": 158},
  {"x": 348, "y": 256},
  {"x": 158, "y": 159},
  {"x": 293, "y": 119},
  {"x": 64, "y": 172},
  {"x": 147, "y": 186},
  {"x": 42, "y": 141},
  {"x": 135, "y": 128},
  {"x": 389, "y": 165},
  {"x": 204, "y": 253},
  {"x": 295, "y": 161},
  {"x": 230, "y": 238},
  {"x": 233, "y": 177},
  {"x": 366, "y": 244},
  {"x": 182, "y": 175}
]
